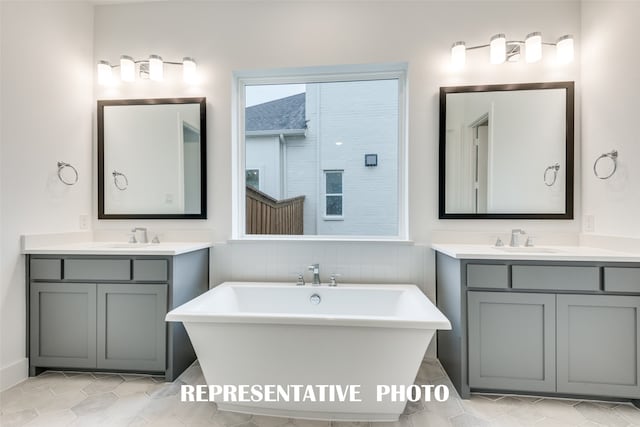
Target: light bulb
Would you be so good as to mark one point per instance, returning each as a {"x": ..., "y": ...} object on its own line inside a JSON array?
[
  {"x": 156, "y": 68},
  {"x": 458, "y": 55},
  {"x": 533, "y": 47},
  {"x": 104, "y": 73},
  {"x": 127, "y": 69},
  {"x": 564, "y": 49},
  {"x": 189, "y": 68},
  {"x": 498, "y": 49}
]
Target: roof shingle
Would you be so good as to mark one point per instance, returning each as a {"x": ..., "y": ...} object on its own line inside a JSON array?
[{"x": 280, "y": 114}]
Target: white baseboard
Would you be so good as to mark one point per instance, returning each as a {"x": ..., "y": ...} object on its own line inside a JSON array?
[{"x": 14, "y": 373}]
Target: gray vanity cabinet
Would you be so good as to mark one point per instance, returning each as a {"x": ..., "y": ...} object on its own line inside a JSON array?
[
  {"x": 63, "y": 325},
  {"x": 106, "y": 312},
  {"x": 569, "y": 328},
  {"x": 598, "y": 345},
  {"x": 131, "y": 327},
  {"x": 512, "y": 341}
]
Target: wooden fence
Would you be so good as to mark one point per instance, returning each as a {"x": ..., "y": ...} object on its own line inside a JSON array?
[{"x": 266, "y": 215}]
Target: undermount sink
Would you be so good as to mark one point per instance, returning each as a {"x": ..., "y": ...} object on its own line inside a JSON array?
[{"x": 527, "y": 249}]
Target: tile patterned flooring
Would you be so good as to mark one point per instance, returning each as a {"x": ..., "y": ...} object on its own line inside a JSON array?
[{"x": 85, "y": 399}]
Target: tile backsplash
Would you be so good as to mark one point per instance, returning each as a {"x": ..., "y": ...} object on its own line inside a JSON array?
[{"x": 356, "y": 262}]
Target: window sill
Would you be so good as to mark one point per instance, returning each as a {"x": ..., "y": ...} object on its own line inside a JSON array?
[{"x": 328, "y": 239}]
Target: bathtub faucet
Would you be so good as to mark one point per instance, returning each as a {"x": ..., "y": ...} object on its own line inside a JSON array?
[{"x": 316, "y": 273}]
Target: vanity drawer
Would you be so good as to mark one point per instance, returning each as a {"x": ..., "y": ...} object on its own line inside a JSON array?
[
  {"x": 622, "y": 279},
  {"x": 97, "y": 269},
  {"x": 45, "y": 269},
  {"x": 561, "y": 278},
  {"x": 487, "y": 276},
  {"x": 151, "y": 270}
]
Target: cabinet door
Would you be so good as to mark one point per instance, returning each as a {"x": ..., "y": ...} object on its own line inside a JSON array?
[
  {"x": 63, "y": 325},
  {"x": 131, "y": 327},
  {"x": 511, "y": 341},
  {"x": 598, "y": 345}
]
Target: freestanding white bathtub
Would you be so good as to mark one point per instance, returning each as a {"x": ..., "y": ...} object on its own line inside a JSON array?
[{"x": 278, "y": 334}]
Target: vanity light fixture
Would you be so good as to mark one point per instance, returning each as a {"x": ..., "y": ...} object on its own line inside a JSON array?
[
  {"x": 156, "y": 68},
  {"x": 498, "y": 49},
  {"x": 501, "y": 49},
  {"x": 127, "y": 69},
  {"x": 188, "y": 70},
  {"x": 564, "y": 49},
  {"x": 533, "y": 47},
  {"x": 458, "y": 55},
  {"x": 151, "y": 68},
  {"x": 104, "y": 72}
]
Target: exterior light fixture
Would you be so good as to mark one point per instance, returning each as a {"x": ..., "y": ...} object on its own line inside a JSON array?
[
  {"x": 370, "y": 160},
  {"x": 501, "y": 49}
]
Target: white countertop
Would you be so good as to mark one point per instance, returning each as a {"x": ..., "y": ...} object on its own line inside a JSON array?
[
  {"x": 542, "y": 253},
  {"x": 116, "y": 248}
]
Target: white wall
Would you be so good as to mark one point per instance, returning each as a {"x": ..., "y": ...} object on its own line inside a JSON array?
[
  {"x": 303, "y": 152},
  {"x": 46, "y": 76},
  {"x": 611, "y": 90},
  {"x": 286, "y": 34},
  {"x": 228, "y": 36},
  {"x": 263, "y": 153},
  {"x": 46, "y": 111},
  {"x": 364, "y": 117}
]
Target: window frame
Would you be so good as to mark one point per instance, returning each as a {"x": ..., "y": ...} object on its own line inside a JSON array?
[{"x": 322, "y": 74}]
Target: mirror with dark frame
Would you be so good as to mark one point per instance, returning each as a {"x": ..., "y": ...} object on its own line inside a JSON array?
[
  {"x": 152, "y": 159},
  {"x": 506, "y": 151}
]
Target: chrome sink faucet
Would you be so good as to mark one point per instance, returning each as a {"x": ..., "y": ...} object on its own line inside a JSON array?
[
  {"x": 515, "y": 242},
  {"x": 316, "y": 273},
  {"x": 139, "y": 235}
]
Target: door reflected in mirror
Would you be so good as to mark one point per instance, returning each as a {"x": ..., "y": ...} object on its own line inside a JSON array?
[
  {"x": 506, "y": 151},
  {"x": 152, "y": 158}
]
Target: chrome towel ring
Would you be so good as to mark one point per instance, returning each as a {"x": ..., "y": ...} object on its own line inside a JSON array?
[
  {"x": 61, "y": 167},
  {"x": 120, "y": 186},
  {"x": 555, "y": 168},
  {"x": 613, "y": 155}
]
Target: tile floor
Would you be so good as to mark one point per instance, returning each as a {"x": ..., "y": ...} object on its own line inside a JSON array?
[{"x": 84, "y": 399}]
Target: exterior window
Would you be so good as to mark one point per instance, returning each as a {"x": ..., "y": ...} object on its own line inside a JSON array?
[
  {"x": 300, "y": 130},
  {"x": 252, "y": 178},
  {"x": 333, "y": 193}
]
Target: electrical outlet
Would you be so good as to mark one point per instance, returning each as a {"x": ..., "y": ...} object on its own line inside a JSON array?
[
  {"x": 84, "y": 222},
  {"x": 589, "y": 224},
  {"x": 168, "y": 198}
]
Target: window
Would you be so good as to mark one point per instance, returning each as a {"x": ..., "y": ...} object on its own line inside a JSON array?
[
  {"x": 252, "y": 178},
  {"x": 333, "y": 194},
  {"x": 301, "y": 132}
]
